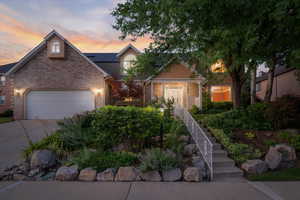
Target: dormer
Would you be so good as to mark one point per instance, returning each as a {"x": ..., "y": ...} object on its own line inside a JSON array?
[
  {"x": 127, "y": 57},
  {"x": 55, "y": 47}
]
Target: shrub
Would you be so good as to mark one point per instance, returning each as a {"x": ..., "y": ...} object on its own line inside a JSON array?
[
  {"x": 172, "y": 140},
  {"x": 238, "y": 151},
  {"x": 7, "y": 113},
  {"x": 52, "y": 142},
  {"x": 157, "y": 159},
  {"x": 76, "y": 132},
  {"x": 291, "y": 139},
  {"x": 103, "y": 160},
  {"x": 135, "y": 126},
  {"x": 284, "y": 112}
]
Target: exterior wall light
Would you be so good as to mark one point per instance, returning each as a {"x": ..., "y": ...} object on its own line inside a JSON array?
[
  {"x": 97, "y": 91},
  {"x": 19, "y": 92}
]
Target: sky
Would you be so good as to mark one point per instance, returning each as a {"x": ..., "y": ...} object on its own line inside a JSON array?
[{"x": 87, "y": 24}]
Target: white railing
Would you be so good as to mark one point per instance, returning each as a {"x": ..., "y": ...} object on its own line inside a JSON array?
[{"x": 203, "y": 143}]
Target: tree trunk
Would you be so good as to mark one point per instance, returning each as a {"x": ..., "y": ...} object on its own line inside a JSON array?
[
  {"x": 253, "y": 86},
  {"x": 271, "y": 73},
  {"x": 236, "y": 90}
]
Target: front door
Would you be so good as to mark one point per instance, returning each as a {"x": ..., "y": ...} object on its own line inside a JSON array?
[{"x": 175, "y": 93}]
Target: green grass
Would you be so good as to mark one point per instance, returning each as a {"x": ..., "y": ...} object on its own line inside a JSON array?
[
  {"x": 5, "y": 119},
  {"x": 292, "y": 174}
]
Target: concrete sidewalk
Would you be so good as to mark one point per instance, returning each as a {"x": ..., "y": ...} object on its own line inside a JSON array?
[{"x": 130, "y": 191}]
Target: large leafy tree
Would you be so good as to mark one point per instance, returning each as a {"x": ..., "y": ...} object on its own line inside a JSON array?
[{"x": 203, "y": 30}]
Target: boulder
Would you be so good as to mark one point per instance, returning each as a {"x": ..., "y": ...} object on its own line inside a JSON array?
[
  {"x": 172, "y": 175},
  {"x": 34, "y": 172},
  {"x": 288, "y": 153},
  {"x": 151, "y": 176},
  {"x": 128, "y": 174},
  {"x": 192, "y": 174},
  {"x": 65, "y": 173},
  {"x": 42, "y": 159},
  {"x": 189, "y": 149},
  {"x": 19, "y": 177},
  {"x": 273, "y": 158},
  {"x": 87, "y": 174},
  {"x": 107, "y": 175},
  {"x": 255, "y": 166},
  {"x": 198, "y": 162}
]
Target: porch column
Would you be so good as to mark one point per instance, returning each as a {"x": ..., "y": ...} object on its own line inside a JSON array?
[
  {"x": 187, "y": 94},
  {"x": 200, "y": 95},
  {"x": 163, "y": 89}
]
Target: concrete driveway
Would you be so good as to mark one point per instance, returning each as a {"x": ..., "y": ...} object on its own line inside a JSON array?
[{"x": 15, "y": 136}]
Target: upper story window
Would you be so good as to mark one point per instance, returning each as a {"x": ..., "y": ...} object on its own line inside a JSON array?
[
  {"x": 128, "y": 62},
  {"x": 220, "y": 93},
  {"x": 2, "y": 80},
  {"x": 55, "y": 48},
  {"x": 218, "y": 67},
  {"x": 2, "y": 100},
  {"x": 258, "y": 87}
]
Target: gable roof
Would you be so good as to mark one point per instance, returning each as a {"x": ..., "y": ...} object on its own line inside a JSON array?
[
  {"x": 129, "y": 46},
  {"x": 102, "y": 57},
  {"x": 35, "y": 50},
  {"x": 6, "y": 68}
]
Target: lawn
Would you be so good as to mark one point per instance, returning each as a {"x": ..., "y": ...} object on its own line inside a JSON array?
[
  {"x": 5, "y": 119},
  {"x": 292, "y": 174}
]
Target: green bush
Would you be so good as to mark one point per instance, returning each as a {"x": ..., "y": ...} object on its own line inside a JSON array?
[
  {"x": 284, "y": 112},
  {"x": 52, "y": 142},
  {"x": 291, "y": 139},
  {"x": 7, "y": 113},
  {"x": 157, "y": 159},
  {"x": 133, "y": 125},
  {"x": 172, "y": 139},
  {"x": 103, "y": 160},
  {"x": 76, "y": 132},
  {"x": 238, "y": 151},
  {"x": 250, "y": 118}
]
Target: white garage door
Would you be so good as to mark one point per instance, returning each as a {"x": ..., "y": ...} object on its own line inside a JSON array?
[{"x": 58, "y": 104}]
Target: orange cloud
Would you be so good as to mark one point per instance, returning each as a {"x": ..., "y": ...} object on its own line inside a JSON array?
[{"x": 21, "y": 34}]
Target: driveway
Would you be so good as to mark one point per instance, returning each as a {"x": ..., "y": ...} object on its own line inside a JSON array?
[{"x": 15, "y": 136}]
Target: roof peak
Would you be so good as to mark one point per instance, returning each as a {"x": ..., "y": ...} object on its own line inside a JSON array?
[{"x": 129, "y": 46}]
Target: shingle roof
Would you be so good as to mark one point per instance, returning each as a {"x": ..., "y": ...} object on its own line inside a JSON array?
[
  {"x": 6, "y": 68},
  {"x": 102, "y": 57}
]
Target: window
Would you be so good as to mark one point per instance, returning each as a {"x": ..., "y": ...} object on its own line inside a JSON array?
[
  {"x": 218, "y": 67},
  {"x": 128, "y": 62},
  {"x": 258, "y": 87},
  {"x": 55, "y": 47},
  {"x": 2, "y": 100},
  {"x": 220, "y": 93},
  {"x": 2, "y": 80}
]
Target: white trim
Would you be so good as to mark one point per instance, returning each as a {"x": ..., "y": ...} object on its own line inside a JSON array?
[
  {"x": 37, "y": 48},
  {"x": 126, "y": 48}
]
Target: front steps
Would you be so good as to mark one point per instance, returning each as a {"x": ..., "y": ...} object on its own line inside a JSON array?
[{"x": 224, "y": 167}]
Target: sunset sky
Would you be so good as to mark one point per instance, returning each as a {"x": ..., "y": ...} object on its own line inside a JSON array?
[{"x": 85, "y": 23}]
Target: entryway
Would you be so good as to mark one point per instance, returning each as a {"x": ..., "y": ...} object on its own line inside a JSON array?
[{"x": 175, "y": 93}]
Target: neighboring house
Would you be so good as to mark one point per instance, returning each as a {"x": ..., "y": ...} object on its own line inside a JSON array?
[
  {"x": 56, "y": 80},
  {"x": 285, "y": 83}
]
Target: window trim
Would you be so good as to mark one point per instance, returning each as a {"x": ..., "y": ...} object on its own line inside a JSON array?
[
  {"x": 2, "y": 80},
  {"x": 55, "y": 47},
  {"x": 128, "y": 62}
]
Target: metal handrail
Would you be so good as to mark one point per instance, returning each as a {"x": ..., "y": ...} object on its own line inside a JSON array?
[{"x": 203, "y": 143}]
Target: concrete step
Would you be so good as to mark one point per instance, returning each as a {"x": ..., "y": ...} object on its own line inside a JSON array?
[
  {"x": 225, "y": 172},
  {"x": 217, "y": 146},
  {"x": 222, "y": 162},
  {"x": 219, "y": 153}
]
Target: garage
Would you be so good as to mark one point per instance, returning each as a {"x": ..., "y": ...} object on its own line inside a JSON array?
[{"x": 58, "y": 104}]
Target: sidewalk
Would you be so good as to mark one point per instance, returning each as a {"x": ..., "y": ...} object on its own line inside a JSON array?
[{"x": 143, "y": 191}]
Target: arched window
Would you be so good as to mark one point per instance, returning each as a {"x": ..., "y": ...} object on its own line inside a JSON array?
[
  {"x": 128, "y": 62},
  {"x": 55, "y": 47},
  {"x": 218, "y": 67}
]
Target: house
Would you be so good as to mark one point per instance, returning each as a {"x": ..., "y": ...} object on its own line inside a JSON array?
[
  {"x": 56, "y": 80},
  {"x": 286, "y": 82}
]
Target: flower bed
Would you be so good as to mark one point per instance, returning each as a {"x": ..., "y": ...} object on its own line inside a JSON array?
[{"x": 114, "y": 144}]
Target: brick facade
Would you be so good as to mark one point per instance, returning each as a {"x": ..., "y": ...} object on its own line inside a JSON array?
[
  {"x": 72, "y": 72},
  {"x": 7, "y": 91}
]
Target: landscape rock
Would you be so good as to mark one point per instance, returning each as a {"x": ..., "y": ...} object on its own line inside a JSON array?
[
  {"x": 128, "y": 174},
  {"x": 198, "y": 162},
  {"x": 107, "y": 175},
  {"x": 273, "y": 158},
  {"x": 172, "y": 175},
  {"x": 192, "y": 174},
  {"x": 184, "y": 138},
  {"x": 49, "y": 176},
  {"x": 42, "y": 159},
  {"x": 151, "y": 176},
  {"x": 189, "y": 149},
  {"x": 65, "y": 173},
  {"x": 19, "y": 177},
  {"x": 87, "y": 174},
  {"x": 288, "y": 153},
  {"x": 255, "y": 166},
  {"x": 34, "y": 172}
]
